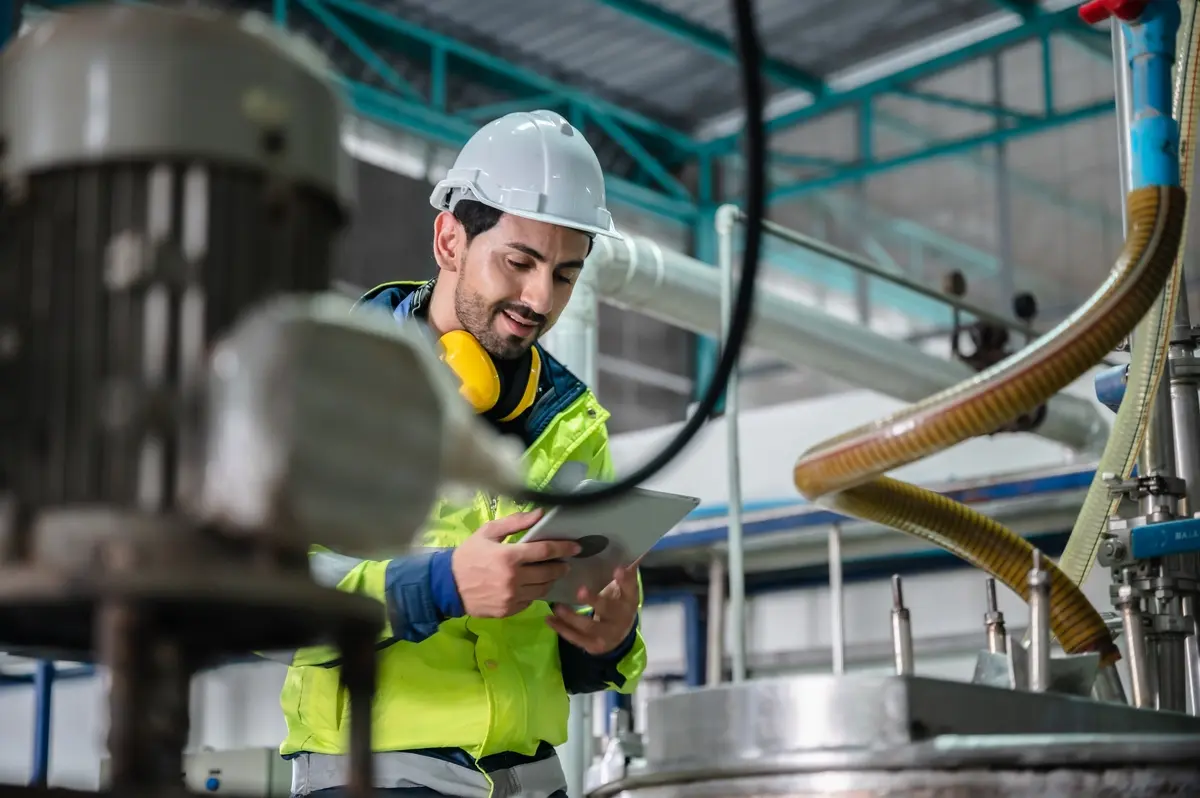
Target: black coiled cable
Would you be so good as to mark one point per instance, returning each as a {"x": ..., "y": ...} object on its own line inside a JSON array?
[{"x": 750, "y": 60}]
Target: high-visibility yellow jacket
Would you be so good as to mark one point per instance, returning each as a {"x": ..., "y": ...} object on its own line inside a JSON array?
[{"x": 449, "y": 681}]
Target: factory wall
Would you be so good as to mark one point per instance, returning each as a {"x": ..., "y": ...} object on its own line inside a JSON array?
[{"x": 786, "y": 632}]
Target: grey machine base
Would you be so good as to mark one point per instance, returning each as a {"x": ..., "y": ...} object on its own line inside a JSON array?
[{"x": 905, "y": 737}]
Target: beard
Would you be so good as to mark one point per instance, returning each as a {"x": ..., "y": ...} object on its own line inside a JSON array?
[{"x": 479, "y": 319}]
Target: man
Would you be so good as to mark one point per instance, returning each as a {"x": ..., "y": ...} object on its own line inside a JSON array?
[{"x": 474, "y": 670}]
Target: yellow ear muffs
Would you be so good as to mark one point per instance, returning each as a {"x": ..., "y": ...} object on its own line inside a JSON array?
[{"x": 479, "y": 382}]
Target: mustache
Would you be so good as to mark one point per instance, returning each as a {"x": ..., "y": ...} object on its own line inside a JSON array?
[{"x": 523, "y": 312}]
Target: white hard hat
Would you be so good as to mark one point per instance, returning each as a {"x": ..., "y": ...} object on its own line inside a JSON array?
[{"x": 532, "y": 164}]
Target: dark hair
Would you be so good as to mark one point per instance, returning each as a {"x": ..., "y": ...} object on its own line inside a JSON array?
[{"x": 477, "y": 218}]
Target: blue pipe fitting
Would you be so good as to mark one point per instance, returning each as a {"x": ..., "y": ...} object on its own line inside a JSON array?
[
  {"x": 1110, "y": 386},
  {"x": 1153, "y": 131},
  {"x": 1165, "y": 539}
]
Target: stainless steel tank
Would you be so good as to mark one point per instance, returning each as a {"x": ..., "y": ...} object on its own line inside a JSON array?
[{"x": 903, "y": 737}]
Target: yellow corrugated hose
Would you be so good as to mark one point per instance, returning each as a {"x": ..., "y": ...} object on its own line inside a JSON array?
[{"x": 845, "y": 474}]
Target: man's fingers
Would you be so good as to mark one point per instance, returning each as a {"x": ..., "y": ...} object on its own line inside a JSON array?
[
  {"x": 588, "y": 642},
  {"x": 543, "y": 550},
  {"x": 542, "y": 573},
  {"x": 501, "y": 528},
  {"x": 580, "y": 623}
]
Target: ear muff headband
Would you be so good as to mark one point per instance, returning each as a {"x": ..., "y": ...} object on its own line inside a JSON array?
[
  {"x": 529, "y": 389},
  {"x": 480, "y": 382}
]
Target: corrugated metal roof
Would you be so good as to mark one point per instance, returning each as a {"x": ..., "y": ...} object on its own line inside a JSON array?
[{"x": 637, "y": 65}]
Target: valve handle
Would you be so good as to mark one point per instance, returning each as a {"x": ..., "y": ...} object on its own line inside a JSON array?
[{"x": 1095, "y": 11}]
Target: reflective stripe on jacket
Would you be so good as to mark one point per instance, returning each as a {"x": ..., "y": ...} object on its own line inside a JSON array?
[{"x": 485, "y": 686}]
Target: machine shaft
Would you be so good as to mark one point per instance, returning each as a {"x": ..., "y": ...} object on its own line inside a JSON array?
[
  {"x": 997, "y": 634},
  {"x": 902, "y": 645},
  {"x": 1039, "y": 626}
]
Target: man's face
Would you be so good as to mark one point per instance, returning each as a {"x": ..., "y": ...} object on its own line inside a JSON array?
[{"x": 514, "y": 280}]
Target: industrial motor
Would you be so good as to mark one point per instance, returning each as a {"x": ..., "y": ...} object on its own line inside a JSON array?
[{"x": 162, "y": 172}]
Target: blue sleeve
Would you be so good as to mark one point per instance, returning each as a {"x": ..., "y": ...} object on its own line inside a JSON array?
[
  {"x": 592, "y": 673},
  {"x": 421, "y": 591}
]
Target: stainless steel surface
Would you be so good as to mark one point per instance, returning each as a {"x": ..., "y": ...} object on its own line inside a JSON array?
[
  {"x": 1192, "y": 657},
  {"x": 639, "y": 274},
  {"x": 733, "y": 462},
  {"x": 837, "y": 600},
  {"x": 714, "y": 668},
  {"x": 78, "y": 91},
  {"x": 869, "y": 713},
  {"x": 1108, "y": 686},
  {"x": 982, "y": 780},
  {"x": 1135, "y": 647},
  {"x": 1073, "y": 674},
  {"x": 1039, "y": 626},
  {"x": 993, "y": 619},
  {"x": 902, "y": 644}
]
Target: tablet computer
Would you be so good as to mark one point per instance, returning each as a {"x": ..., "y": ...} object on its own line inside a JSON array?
[{"x": 611, "y": 535}]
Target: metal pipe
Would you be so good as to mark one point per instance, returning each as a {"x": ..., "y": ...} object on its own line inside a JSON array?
[
  {"x": 43, "y": 686},
  {"x": 873, "y": 269},
  {"x": 1158, "y": 453},
  {"x": 902, "y": 645},
  {"x": 1191, "y": 656},
  {"x": 1135, "y": 646},
  {"x": 1169, "y": 655},
  {"x": 638, "y": 274},
  {"x": 1122, "y": 97},
  {"x": 993, "y": 619},
  {"x": 574, "y": 342},
  {"x": 1039, "y": 626},
  {"x": 737, "y": 570},
  {"x": 1185, "y": 407},
  {"x": 837, "y": 597},
  {"x": 715, "y": 667}
]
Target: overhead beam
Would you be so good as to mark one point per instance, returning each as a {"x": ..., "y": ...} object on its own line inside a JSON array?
[
  {"x": 385, "y": 21},
  {"x": 713, "y": 43},
  {"x": 858, "y": 88},
  {"x": 943, "y": 149},
  {"x": 453, "y": 132}
]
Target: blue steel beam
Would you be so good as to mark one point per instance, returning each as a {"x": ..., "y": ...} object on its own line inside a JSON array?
[
  {"x": 390, "y": 24},
  {"x": 943, "y": 149},
  {"x": 615, "y": 122},
  {"x": 713, "y": 43},
  {"x": 356, "y": 45},
  {"x": 451, "y": 131},
  {"x": 962, "y": 104},
  {"x": 1043, "y": 24},
  {"x": 1093, "y": 41}
]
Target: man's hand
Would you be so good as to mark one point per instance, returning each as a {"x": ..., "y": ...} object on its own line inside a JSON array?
[
  {"x": 614, "y": 612},
  {"x": 496, "y": 580}
]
